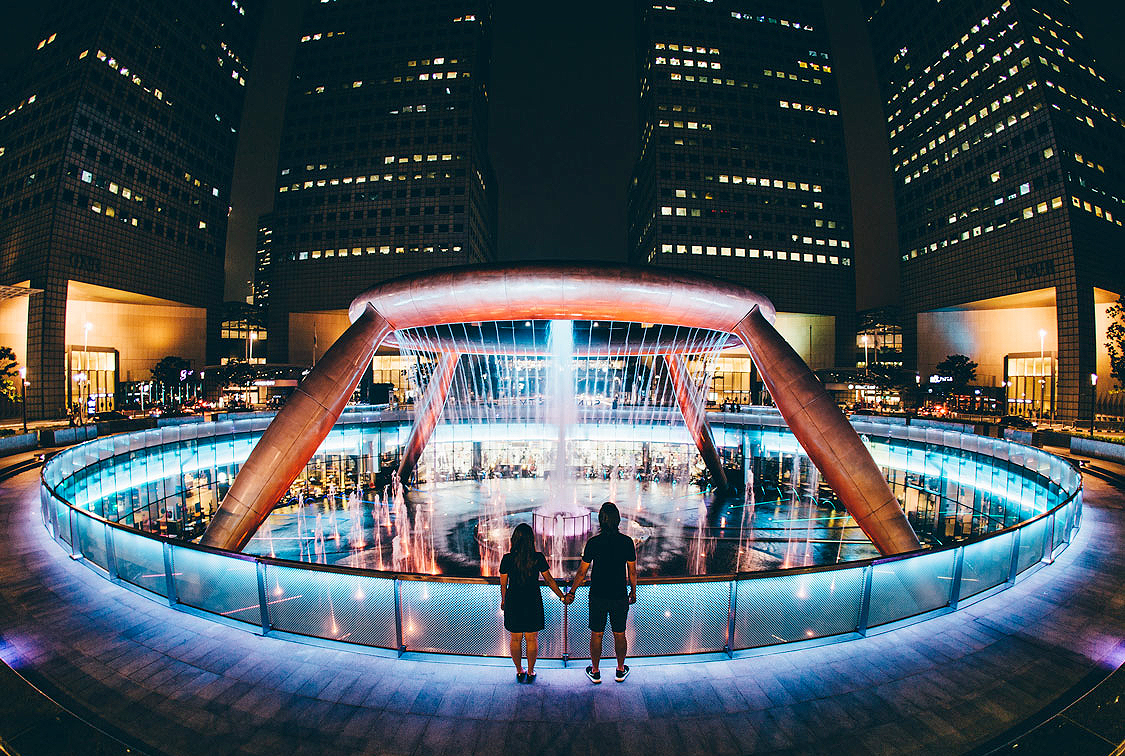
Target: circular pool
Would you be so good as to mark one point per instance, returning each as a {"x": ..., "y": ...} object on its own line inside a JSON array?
[{"x": 777, "y": 564}]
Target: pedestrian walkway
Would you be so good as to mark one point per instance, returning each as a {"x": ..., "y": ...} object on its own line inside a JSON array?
[{"x": 174, "y": 683}]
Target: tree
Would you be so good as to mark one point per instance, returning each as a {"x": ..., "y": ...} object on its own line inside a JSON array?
[
  {"x": 1115, "y": 340},
  {"x": 169, "y": 374},
  {"x": 958, "y": 368},
  {"x": 9, "y": 381}
]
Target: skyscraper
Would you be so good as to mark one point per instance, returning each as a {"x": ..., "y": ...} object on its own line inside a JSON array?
[
  {"x": 742, "y": 173},
  {"x": 383, "y": 167},
  {"x": 116, "y": 149},
  {"x": 1006, "y": 141}
]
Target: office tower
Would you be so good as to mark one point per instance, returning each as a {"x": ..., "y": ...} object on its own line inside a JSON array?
[
  {"x": 116, "y": 147},
  {"x": 383, "y": 167},
  {"x": 263, "y": 256},
  {"x": 742, "y": 173},
  {"x": 1006, "y": 141}
]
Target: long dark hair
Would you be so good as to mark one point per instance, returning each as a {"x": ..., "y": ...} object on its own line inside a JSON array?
[
  {"x": 609, "y": 519},
  {"x": 523, "y": 550}
]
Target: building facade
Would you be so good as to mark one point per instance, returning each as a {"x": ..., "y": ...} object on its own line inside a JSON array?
[
  {"x": 1007, "y": 150},
  {"x": 741, "y": 173},
  {"x": 383, "y": 166},
  {"x": 116, "y": 148}
]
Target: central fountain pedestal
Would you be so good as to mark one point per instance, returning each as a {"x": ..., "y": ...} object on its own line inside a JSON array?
[{"x": 562, "y": 532}]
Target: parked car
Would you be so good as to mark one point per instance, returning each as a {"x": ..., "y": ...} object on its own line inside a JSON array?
[
  {"x": 1016, "y": 421},
  {"x": 106, "y": 417}
]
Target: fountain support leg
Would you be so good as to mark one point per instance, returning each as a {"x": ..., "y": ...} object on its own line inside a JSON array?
[
  {"x": 691, "y": 405},
  {"x": 427, "y": 412},
  {"x": 295, "y": 433},
  {"x": 827, "y": 437}
]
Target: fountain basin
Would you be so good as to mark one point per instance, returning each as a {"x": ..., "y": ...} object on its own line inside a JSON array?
[{"x": 93, "y": 494}]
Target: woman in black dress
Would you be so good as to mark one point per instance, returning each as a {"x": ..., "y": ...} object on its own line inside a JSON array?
[{"x": 520, "y": 599}]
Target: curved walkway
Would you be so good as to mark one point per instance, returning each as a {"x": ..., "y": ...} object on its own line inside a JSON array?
[{"x": 178, "y": 684}]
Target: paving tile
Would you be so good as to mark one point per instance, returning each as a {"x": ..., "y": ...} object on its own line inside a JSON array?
[{"x": 194, "y": 686}]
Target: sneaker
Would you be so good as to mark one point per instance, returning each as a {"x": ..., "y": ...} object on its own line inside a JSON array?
[
  {"x": 595, "y": 676},
  {"x": 529, "y": 678},
  {"x": 621, "y": 674},
  {"x": 521, "y": 677}
]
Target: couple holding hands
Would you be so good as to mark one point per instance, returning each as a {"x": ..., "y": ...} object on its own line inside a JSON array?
[{"x": 611, "y": 559}]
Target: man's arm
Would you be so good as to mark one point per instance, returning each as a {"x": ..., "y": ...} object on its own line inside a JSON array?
[
  {"x": 578, "y": 579},
  {"x": 632, "y": 581}
]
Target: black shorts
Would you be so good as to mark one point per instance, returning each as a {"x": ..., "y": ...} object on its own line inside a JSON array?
[{"x": 617, "y": 609}]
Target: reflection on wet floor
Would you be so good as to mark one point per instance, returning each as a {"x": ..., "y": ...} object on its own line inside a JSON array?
[{"x": 680, "y": 529}]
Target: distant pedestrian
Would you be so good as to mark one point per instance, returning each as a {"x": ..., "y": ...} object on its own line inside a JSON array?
[
  {"x": 520, "y": 599},
  {"x": 614, "y": 558}
]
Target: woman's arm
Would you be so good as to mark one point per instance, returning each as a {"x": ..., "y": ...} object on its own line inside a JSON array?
[
  {"x": 552, "y": 584},
  {"x": 503, "y": 589}
]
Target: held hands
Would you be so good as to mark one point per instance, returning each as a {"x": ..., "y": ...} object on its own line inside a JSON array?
[
  {"x": 632, "y": 597},
  {"x": 568, "y": 598}
]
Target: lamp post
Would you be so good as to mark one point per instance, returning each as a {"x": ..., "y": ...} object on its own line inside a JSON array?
[
  {"x": 23, "y": 394},
  {"x": 866, "y": 362},
  {"x": 1093, "y": 400}
]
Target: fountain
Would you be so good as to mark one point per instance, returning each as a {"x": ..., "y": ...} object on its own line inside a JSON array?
[
  {"x": 561, "y": 525},
  {"x": 540, "y": 392}
]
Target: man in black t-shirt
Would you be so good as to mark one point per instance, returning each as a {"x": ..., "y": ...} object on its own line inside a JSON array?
[{"x": 613, "y": 556}]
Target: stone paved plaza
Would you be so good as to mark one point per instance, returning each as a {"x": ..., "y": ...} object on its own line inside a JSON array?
[{"x": 174, "y": 683}]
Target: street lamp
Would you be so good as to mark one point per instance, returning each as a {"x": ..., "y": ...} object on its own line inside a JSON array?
[
  {"x": 23, "y": 394},
  {"x": 866, "y": 362},
  {"x": 1093, "y": 400}
]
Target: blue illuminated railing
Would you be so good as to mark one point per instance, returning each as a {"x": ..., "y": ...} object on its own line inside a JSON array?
[{"x": 715, "y": 614}]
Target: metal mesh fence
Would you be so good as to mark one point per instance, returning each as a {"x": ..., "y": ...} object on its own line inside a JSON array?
[
  {"x": 452, "y": 618},
  {"x": 62, "y": 511},
  {"x": 140, "y": 561},
  {"x": 910, "y": 586},
  {"x": 91, "y": 539},
  {"x": 986, "y": 564},
  {"x": 218, "y": 584},
  {"x": 351, "y": 608},
  {"x": 1031, "y": 544},
  {"x": 126, "y": 474},
  {"x": 787, "y": 608}
]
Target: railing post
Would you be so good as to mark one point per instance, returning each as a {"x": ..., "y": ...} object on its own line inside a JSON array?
[
  {"x": 169, "y": 581},
  {"x": 398, "y": 618},
  {"x": 75, "y": 549},
  {"x": 865, "y": 601},
  {"x": 565, "y": 638},
  {"x": 110, "y": 553},
  {"x": 1013, "y": 566},
  {"x": 732, "y": 606},
  {"x": 53, "y": 515},
  {"x": 955, "y": 584},
  {"x": 1049, "y": 543},
  {"x": 263, "y": 603}
]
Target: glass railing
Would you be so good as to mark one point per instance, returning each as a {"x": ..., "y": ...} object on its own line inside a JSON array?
[{"x": 722, "y": 614}]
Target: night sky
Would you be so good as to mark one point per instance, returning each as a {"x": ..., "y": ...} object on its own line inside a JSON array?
[{"x": 563, "y": 127}]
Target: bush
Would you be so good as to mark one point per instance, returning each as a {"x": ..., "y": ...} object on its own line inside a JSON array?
[{"x": 1120, "y": 441}]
